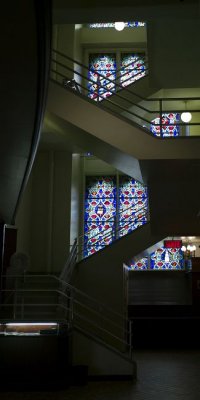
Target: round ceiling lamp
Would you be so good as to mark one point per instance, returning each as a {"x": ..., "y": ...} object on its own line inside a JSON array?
[
  {"x": 119, "y": 26},
  {"x": 186, "y": 116}
]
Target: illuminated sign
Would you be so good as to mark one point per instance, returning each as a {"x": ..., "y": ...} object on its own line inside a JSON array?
[{"x": 172, "y": 244}]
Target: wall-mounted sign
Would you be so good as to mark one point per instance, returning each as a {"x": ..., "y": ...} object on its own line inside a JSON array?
[{"x": 172, "y": 244}]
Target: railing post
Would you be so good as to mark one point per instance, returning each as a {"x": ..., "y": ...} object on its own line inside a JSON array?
[
  {"x": 72, "y": 307},
  {"x": 98, "y": 88},
  {"x": 130, "y": 338},
  {"x": 160, "y": 112}
]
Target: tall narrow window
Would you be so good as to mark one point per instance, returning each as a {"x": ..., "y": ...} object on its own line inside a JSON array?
[
  {"x": 102, "y": 75},
  {"x": 100, "y": 211},
  {"x": 133, "y": 205},
  {"x": 112, "y": 211},
  {"x": 132, "y": 68}
]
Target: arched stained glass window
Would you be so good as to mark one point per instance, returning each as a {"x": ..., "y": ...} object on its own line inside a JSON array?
[
  {"x": 100, "y": 211},
  {"x": 167, "y": 129},
  {"x": 133, "y": 205},
  {"x": 132, "y": 68},
  {"x": 167, "y": 259},
  {"x": 104, "y": 64}
]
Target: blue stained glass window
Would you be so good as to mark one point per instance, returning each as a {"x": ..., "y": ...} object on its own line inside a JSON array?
[
  {"x": 139, "y": 265},
  {"x": 167, "y": 259},
  {"x": 99, "y": 87},
  {"x": 132, "y": 68},
  {"x": 133, "y": 205},
  {"x": 167, "y": 129},
  {"x": 134, "y": 24},
  {"x": 100, "y": 212}
]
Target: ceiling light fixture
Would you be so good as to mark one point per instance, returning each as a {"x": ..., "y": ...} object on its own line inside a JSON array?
[
  {"x": 186, "y": 117},
  {"x": 119, "y": 26}
]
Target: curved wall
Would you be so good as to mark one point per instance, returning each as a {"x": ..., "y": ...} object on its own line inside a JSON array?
[{"x": 24, "y": 71}]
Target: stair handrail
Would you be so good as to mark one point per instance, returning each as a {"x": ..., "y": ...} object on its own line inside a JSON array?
[
  {"x": 117, "y": 71},
  {"x": 94, "y": 306},
  {"x": 111, "y": 218},
  {"x": 108, "y": 99},
  {"x": 117, "y": 229},
  {"x": 62, "y": 293},
  {"x": 159, "y": 99},
  {"x": 136, "y": 94},
  {"x": 67, "y": 285},
  {"x": 67, "y": 270},
  {"x": 85, "y": 77},
  {"x": 153, "y": 99},
  {"x": 142, "y": 120}
]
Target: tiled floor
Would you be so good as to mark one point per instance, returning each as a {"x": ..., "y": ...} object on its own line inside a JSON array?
[{"x": 162, "y": 375}]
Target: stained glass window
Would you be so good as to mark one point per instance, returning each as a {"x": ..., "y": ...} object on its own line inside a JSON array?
[
  {"x": 132, "y": 68},
  {"x": 167, "y": 129},
  {"x": 100, "y": 212},
  {"x": 133, "y": 204},
  {"x": 139, "y": 265},
  {"x": 134, "y": 24},
  {"x": 167, "y": 259},
  {"x": 99, "y": 87}
]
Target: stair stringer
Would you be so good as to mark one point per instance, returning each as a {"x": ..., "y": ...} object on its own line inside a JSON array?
[
  {"x": 133, "y": 93},
  {"x": 64, "y": 134},
  {"x": 116, "y": 130},
  {"x": 102, "y": 275},
  {"x": 100, "y": 358}
]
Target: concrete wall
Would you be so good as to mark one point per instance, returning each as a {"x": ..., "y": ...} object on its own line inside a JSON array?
[
  {"x": 130, "y": 37},
  {"x": 174, "y": 60},
  {"x": 43, "y": 220},
  {"x": 159, "y": 288},
  {"x": 76, "y": 191},
  {"x": 100, "y": 360},
  {"x": 63, "y": 41}
]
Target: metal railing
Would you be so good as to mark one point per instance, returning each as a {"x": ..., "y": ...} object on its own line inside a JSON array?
[
  {"x": 106, "y": 236},
  {"x": 148, "y": 113},
  {"x": 48, "y": 298},
  {"x": 67, "y": 270}
]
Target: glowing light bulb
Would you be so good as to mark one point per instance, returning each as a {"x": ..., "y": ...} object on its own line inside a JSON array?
[
  {"x": 186, "y": 116},
  {"x": 183, "y": 248},
  {"x": 119, "y": 26}
]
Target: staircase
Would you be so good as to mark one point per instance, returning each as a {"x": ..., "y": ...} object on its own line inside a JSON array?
[
  {"x": 72, "y": 110},
  {"x": 101, "y": 337}
]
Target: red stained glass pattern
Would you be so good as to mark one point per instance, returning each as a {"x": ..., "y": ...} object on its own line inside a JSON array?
[
  {"x": 99, "y": 87},
  {"x": 100, "y": 211}
]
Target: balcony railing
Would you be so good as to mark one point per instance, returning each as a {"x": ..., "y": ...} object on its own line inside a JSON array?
[{"x": 156, "y": 115}]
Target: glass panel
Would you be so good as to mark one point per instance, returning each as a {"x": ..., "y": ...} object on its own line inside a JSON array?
[
  {"x": 132, "y": 68},
  {"x": 105, "y": 65},
  {"x": 167, "y": 259},
  {"x": 134, "y": 24},
  {"x": 100, "y": 211},
  {"x": 133, "y": 204},
  {"x": 139, "y": 265},
  {"x": 167, "y": 129}
]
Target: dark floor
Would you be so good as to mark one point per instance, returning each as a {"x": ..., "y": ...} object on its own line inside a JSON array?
[{"x": 162, "y": 375}]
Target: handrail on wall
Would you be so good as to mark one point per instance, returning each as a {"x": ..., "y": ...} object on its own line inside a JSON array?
[
  {"x": 137, "y": 116},
  {"x": 107, "y": 232},
  {"x": 77, "y": 307}
]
